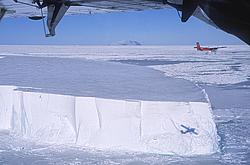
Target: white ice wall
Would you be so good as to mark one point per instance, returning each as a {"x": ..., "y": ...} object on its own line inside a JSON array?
[{"x": 147, "y": 126}]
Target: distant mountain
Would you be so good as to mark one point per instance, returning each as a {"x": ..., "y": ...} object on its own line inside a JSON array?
[{"x": 130, "y": 42}]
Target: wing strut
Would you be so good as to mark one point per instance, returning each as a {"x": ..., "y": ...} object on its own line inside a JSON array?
[
  {"x": 2, "y": 12},
  {"x": 55, "y": 13},
  {"x": 187, "y": 8},
  {"x": 56, "y": 9},
  {"x": 44, "y": 28}
]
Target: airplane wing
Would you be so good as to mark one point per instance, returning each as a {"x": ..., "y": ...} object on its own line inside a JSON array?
[
  {"x": 55, "y": 9},
  {"x": 228, "y": 15},
  {"x": 221, "y": 47},
  {"x": 25, "y": 8}
]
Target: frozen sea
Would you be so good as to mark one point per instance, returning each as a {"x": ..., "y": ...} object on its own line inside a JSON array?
[{"x": 225, "y": 76}]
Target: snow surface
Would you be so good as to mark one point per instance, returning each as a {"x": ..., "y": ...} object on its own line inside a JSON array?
[
  {"x": 226, "y": 66},
  {"x": 80, "y": 77},
  {"x": 108, "y": 106},
  {"x": 231, "y": 109}
]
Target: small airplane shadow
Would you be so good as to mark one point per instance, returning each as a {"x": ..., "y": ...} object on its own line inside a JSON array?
[{"x": 188, "y": 130}]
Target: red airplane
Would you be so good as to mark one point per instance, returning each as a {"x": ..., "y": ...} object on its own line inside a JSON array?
[{"x": 213, "y": 49}]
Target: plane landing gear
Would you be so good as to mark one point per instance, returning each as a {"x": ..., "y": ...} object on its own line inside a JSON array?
[{"x": 56, "y": 9}]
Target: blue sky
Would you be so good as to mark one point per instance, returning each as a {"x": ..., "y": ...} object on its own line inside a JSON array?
[{"x": 152, "y": 27}]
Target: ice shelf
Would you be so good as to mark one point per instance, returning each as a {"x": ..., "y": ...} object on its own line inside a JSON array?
[{"x": 166, "y": 127}]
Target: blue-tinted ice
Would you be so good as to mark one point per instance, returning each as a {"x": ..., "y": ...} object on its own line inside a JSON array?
[{"x": 224, "y": 76}]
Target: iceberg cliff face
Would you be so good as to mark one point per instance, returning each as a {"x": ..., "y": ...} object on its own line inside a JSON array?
[{"x": 184, "y": 128}]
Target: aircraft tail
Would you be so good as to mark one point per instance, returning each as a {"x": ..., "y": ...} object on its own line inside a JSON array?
[{"x": 198, "y": 46}]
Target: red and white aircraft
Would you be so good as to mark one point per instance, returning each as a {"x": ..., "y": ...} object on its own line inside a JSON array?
[{"x": 209, "y": 49}]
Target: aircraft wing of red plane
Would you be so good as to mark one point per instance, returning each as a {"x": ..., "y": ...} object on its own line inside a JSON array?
[{"x": 231, "y": 16}]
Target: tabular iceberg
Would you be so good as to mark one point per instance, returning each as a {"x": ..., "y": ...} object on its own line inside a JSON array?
[{"x": 183, "y": 128}]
